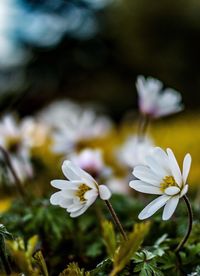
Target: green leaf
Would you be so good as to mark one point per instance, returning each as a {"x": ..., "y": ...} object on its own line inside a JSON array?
[
  {"x": 109, "y": 237},
  {"x": 74, "y": 270},
  {"x": 39, "y": 259},
  {"x": 129, "y": 247}
]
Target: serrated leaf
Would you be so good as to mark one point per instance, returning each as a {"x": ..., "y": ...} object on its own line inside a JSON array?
[
  {"x": 109, "y": 238},
  {"x": 74, "y": 270},
  {"x": 38, "y": 257},
  {"x": 129, "y": 247}
]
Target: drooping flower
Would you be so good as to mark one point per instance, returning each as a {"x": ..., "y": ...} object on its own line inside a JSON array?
[
  {"x": 154, "y": 101},
  {"x": 162, "y": 176},
  {"x": 91, "y": 161},
  {"x": 134, "y": 151},
  {"x": 79, "y": 192}
]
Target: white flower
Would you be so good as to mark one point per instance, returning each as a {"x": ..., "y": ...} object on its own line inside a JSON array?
[
  {"x": 79, "y": 192},
  {"x": 162, "y": 176},
  {"x": 155, "y": 102},
  {"x": 14, "y": 139},
  {"x": 135, "y": 150},
  {"x": 91, "y": 161},
  {"x": 73, "y": 124}
]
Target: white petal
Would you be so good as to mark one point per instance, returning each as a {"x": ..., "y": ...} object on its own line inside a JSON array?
[
  {"x": 174, "y": 167},
  {"x": 146, "y": 188},
  {"x": 104, "y": 192},
  {"x": 79, "y": 212},
  {"x": 59, "y": 183},
  {"x": 170, "y": 207},
  {"x": 186, "y": 167},
  {"x": 145, "y": 174},
  {"x": 156, "y": 167},
  {"x": 153, "y": 207},
  {"x": 184, "y": 190},
  {"x": 83, "y": 209},
  {"x": 68, "y": 172},
  {"x": 70, "y": 194},
  {"x": 89, "y": 194},
  {"x": 75, "y": 207},
  {"x": 172, "y": 190},
  {"x": 55, "y": 198},
  {"x": 162, "y": 158},
  {"x": 65, "y": 202},
  {"x": 73, "y": 172}
]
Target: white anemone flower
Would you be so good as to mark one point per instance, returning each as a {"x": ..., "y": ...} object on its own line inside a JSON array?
[
  {"x": 162, "y": 176},
  {"x": 79, "y": 192},
  {"x": 91, "y": 161},
  {"x": 14, "y": 139},
  {"x": 134, "y": 151},
  {"x": 73, "y": 124},
  {"x": 154, "y": 101}
]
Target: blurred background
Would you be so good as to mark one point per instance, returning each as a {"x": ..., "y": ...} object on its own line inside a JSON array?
[{"x": 92, "y": 50}]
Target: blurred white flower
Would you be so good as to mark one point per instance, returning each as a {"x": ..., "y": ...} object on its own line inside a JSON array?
[
  {"x": 79, "y": 192},
  {"x": 91, "y": 161},
  {"x": 73, "y": 124},
  {"x": 155, "y": 102},
  {"x": 118, "y": 186},
  {"x": 135, "y": 150},
  {"x": 14, "y": 139},
  {"x": 162, "y": 176}
]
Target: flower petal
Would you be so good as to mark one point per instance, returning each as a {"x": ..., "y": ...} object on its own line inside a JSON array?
[
  {"x": 172, "y": 190},
  {"x": 90, "y": 194},
  {"x": 153, "y": 207},
  {"x": 104, "y": 192},
  {"x": 156, "y": 167},
  {"x": 170, "y": 207},
  {"x": 59, "y": 183},
  {"x": 174, "y": 167},
  {"x": 73, "y": 172},
  {"x": 184, "y": 190},
  {"x": 75, "y": 207},
  {"x": 145, "y": 174},
  {"x": 162, "y": 158},
  {"x": 146, "y": 188},
  {"x": 69, "y": 172},
  {"x": 79, "y": 212},
  {"x": 186, "y": 166},
  {"x": 55, "y": 198}
]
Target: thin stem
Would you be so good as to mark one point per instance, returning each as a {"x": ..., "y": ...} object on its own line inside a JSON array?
[
  {"x": 143, "y": 125},
  {"x": 190, "y": 220},
  {"x": 15, "y": 176},
  {"x": 116, "y": 219}
]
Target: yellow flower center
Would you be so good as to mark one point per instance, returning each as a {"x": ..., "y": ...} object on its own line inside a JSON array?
[
  {"x": 12, "y": 144},
  {"x": 168, "y": 181},
  {"x": 82, "y": 189}
]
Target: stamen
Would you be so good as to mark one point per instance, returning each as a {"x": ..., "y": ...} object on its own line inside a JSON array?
[
  {"x": 82, "y": 189},
  {"x": 168, "y": 181}
]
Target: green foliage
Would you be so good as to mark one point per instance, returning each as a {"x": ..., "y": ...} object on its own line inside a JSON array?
[
  {"x": 129, "y": 247},
  {"x": 93, "y": 243},
  {"x": 146, "y": 264},
  {"x": 109, "y": 237},
  {"x": 74, "y": 270}
]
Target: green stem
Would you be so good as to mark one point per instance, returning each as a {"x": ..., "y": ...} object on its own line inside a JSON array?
[
  {"x": 143, "y": 125},
  {"x": 189, "y": 229},
  {"x": 116, "y": 220}
]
